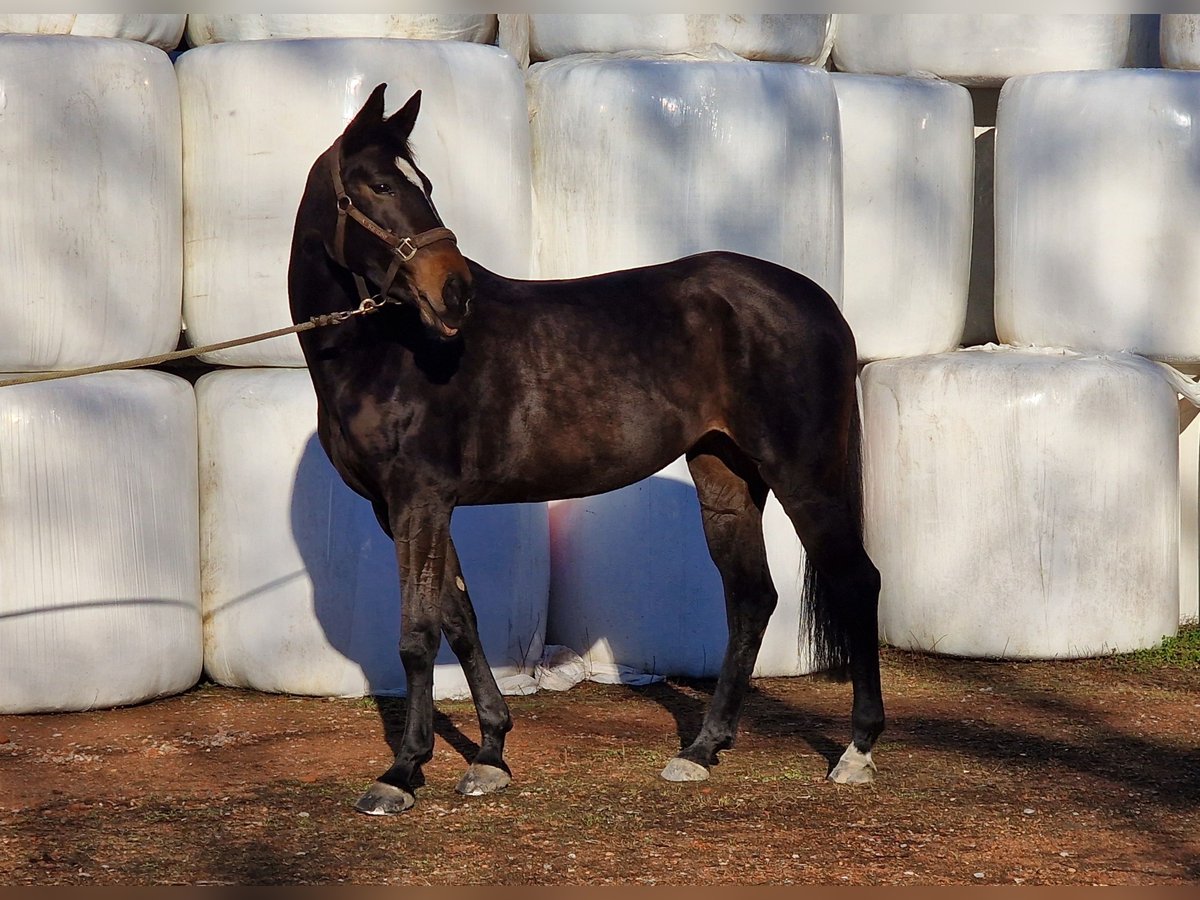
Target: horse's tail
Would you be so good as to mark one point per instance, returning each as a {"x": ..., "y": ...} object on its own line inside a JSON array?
[{"x": 828, "y": 616}]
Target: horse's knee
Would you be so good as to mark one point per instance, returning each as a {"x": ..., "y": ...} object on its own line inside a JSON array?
[
  {"x": 419, "y": 646},
  {"x": 750, "y": 609}
]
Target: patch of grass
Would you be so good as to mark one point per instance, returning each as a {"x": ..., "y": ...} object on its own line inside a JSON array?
[
  {"x": 781, "y": 773},
  {"x": 1179, "y": 652},
  {"x": 634, "y": 755}
]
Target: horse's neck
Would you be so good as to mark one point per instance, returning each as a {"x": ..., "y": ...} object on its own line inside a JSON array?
[{"x": 318, "y": 286}]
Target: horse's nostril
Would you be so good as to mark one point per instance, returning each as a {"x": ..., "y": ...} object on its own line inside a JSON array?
[{"x": 457, "y": 292}]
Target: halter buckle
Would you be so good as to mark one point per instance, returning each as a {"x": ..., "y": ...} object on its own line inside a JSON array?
[{"x": 406, "y": 249}]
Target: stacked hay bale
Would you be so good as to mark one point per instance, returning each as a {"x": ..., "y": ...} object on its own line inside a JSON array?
[
  {"x": 1021, "y": 501},
  {"x": 99, "y": 575},
  {"x": 983, "y": 508}
]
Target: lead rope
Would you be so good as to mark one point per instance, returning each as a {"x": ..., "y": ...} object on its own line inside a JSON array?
[{"x": 368, "y": 305}]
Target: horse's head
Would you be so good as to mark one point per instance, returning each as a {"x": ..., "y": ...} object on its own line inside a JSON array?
[{"x": 388, "y": 231}]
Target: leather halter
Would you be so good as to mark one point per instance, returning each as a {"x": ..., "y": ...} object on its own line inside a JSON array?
[{"x": 403, "y": 248}]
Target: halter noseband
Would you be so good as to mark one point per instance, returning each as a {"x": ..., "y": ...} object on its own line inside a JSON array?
[{"x": 403, "y": 248}]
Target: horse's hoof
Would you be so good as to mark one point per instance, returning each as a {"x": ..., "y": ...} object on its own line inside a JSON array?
[
  {"x": 680, "y": 769},
  {"x": 483, "y": 779},
  {"x": 384, "y": 800},
  {"x": 855, "y": 767}
]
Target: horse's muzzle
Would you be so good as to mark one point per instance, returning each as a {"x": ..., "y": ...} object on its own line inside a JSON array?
[{"x": 445, "y": 315}]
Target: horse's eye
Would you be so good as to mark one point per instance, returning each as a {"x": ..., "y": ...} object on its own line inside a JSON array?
[{"x": 382, "y": 188}]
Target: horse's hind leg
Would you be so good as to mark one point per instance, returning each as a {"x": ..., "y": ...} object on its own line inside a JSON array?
[
  {"x": 841, "y": 596},
  {"x": 731, "y": 502},
  {"x": 487, "y": 772}
]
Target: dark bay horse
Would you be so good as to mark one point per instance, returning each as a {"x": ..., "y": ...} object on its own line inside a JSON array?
[{"x": 470, "y": 388}]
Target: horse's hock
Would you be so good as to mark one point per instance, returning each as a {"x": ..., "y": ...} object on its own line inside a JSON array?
[{"x": 1096, "y": 202}]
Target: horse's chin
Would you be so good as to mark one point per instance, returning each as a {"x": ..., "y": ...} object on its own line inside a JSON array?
[{"x": 439, "y": 327}]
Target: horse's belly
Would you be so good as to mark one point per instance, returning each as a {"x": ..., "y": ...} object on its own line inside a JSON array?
[{"x": 576, "y": 459}]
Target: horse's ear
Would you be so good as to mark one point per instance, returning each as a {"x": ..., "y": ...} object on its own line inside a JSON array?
[
  {"x": 402, "y": 120},
  {"x": 367, "y": 118}
]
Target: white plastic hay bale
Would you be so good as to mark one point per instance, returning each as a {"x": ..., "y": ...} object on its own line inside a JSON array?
[
  {"x": 908, "y": 176},
  {"x": 99, "y": 562},
  {"x": 1098, "y": 212},
  {"x": 641, "y": 159},
  {"x": 633, "y": 586},
  {"x": 256, "y": 114},
  {"x": 791, "y": 38},
  {"x": 1189, "y": 513},
  {"x": 1022, "y": 504},
  {"x": 979, "y": 50},
  {"x": 163, "y": 30},
  {"x": 1179, "y": 41},
  {"x": 210, "y": 28},
  {"x": 1183, "y": 380},
  {"x": 301, "y": 591},
  {"x": 90, "y": 226}
]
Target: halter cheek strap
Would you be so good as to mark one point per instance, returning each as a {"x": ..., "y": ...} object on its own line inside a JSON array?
[{"x": 403, "y": 248}]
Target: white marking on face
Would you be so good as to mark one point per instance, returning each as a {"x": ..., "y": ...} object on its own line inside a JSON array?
[
  {"x": 407, "y": 170},
  {"x": 459, "y": 583}
]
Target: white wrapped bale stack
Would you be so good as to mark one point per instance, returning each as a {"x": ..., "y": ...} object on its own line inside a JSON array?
[
  {"x": 211, "y": 28},
  {"x": 1098, "y": 212},
  {"x": 790, "y": 38},
  {"x": 908, "y": 182},
  {"x": 99, "y": 559},
  {"x": 1179, "y": 41},
  {"x": 257, "y": 114},
  {"x": 301, "y": 591},
  {"x": 1022, "y": 504},
  {"x": 162, "y": 30},
  {"x": 640, "y": 160},
  {"x": 979, "y": 50},
  {"x": 90, "y": 227}
]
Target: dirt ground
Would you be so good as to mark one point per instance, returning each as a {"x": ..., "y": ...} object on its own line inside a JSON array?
[{"x": 990, "y": 773}]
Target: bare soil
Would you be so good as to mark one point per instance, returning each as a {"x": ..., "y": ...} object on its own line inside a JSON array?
[{"x": 990, "y": 772}]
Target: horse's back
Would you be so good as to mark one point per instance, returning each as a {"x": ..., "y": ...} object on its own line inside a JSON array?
[
  {"x": 704, "y": 291},
  {"x": 735, "y": 321}
]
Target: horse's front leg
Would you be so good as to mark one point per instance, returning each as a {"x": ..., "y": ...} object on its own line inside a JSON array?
[
  {"x": 422, "y": 535},
  {"x": 488, "y": 771}
]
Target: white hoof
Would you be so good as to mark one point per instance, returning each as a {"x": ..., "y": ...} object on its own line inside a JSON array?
[
  {"x": 679, "y": 769},
  {"x": 384, "y": 800},
  {"x": 854, "y": 767},
  {"x": 482, "y": 779}
]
